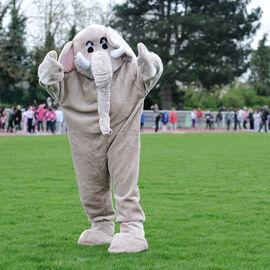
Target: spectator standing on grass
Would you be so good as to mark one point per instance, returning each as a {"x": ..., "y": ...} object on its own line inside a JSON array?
[
  {"x": 59, "y": 120},
  {"x": 219, "y": 120},
  {"x": 18, "y": 117},
  {"x": 164, "y": 120},
  {"x": 142, "y": 122},
  {"x": 207, "y": 119},
  {"x": 40, "y": 116},
  {"x": 173, "y": 120},
  {"x": 48, "y": 119},
  {"x": 200, "y": 118},
  {"x": 156, "y": 116},
  {"x": 264, "y": 118},
  {"x": 53, "y": 120},
  {"x": 240, "y": 118},
  {"x": 35, "y": 120},
  {"x": 236, "y": 120},
  {"x": 251, "y": 119},
  {"x": 3, "y": 115},
  {"x": 30, "y": 118},
  {"x": 11, "y": 118},
  {"x": 24, "y": 119},
  {"x": 257, "y": 121},
  {"x": 193, "y": 116},
  {"x": 245, "y": 115},
  {"x": 212, "y": 121},
  {"x": 228, "y": 119}
]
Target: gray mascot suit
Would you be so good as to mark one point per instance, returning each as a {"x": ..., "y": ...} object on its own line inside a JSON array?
[{"x": 101, "y": 86}]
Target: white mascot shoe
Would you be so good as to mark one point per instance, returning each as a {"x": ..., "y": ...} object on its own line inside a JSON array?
[
  {"x": 101, "y": 233},
  {"x": 130, "y": 239}
]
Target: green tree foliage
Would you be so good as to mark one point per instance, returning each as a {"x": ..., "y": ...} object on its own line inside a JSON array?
[
  {"x": 3, "y": 11},
  {"x": 18, "y": 68},
  {"x": 72, "y": 32},
  {"x": 51, "y": 13},
  {"x": 13, "y": 55},
  {"x": 230, "y": 97},
  {"x": 200, "y": 41},
  {"x": 260, "y": 68}
]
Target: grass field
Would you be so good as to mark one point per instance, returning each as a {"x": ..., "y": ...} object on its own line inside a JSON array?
[{"x": 206, "y": 198}]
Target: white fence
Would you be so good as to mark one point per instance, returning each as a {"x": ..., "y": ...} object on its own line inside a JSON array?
[{"x": 184, "y": 119}]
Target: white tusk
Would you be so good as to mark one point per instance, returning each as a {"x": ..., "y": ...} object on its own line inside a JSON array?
[
  {"x": 84, "y": 63},
  {"x": 118, "y": 52}
]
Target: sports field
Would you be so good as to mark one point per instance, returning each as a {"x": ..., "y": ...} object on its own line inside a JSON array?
[{"x": 206, "y": 198}]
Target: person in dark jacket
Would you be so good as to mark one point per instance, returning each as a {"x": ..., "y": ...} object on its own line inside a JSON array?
[
  {"x": 251, "y": 119},
  {"x": 212, "y": 121},
  {"x": 207, "y": 116},
  {"x": 264, "y": 116},
  {"x": 236, "y": 120},
  {"x": 228, "y": 118},
  {"x": 164, "y": 120},
  {"x": 219, "y": 120},
  {"x": 18, "y": 117},
  {"x": 11, "y": 116}
]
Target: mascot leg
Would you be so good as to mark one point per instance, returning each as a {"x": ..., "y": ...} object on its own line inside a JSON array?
[
  {"x": 89, "y": 158},
  {"x": 123, "y": 164}
]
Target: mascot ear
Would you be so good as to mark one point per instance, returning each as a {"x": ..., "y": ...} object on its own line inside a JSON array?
[
  {"x": 116, "y": 41},
  {"x": 66, "y": 57}
]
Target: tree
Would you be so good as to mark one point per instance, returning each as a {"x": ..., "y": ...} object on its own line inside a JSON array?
[
  {"x": 81, "y": 14},
  {"x": 3, "y": 11},
  {"x": 47, "y": 32},
  {"x": 13, "y": 55},
  {"x": 260, "y": 68},
  {"x": 201, "y": 42},
  {"x": 57, "y": 22},
  {"x": 49, "y": 18}
]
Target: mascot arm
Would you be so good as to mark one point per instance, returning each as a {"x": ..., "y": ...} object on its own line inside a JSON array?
[
  {"x": 150, "y": 67},
  {"x": 51, "y": 74}
]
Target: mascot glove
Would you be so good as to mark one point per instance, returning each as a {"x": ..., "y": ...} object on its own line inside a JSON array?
[
  {"x": 50, "y": 70},
  {"x": 148, "y": 63}
]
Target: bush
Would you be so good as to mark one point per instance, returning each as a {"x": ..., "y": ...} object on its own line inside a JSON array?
[{"x": 234, "y": 97}]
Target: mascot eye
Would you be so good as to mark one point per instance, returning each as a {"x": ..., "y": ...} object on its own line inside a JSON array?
[
  {"x": 104, "y": 43},
  {"x": 89, "y": 46}
]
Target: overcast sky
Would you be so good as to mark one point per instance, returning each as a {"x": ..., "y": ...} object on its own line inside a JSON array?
[{"x": 265, "y": 19}]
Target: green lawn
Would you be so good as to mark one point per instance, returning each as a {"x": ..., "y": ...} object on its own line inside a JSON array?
[{"x": 206, "y": 198}]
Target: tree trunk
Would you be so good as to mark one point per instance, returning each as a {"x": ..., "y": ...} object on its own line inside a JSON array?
[{"x": 166, "y": 96}]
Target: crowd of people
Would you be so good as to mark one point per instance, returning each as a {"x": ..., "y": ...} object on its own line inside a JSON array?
[
  {"x": 36, "y": 119},
  {"x": 233, "y": 119},
  {"x": 49, "y": 119}
]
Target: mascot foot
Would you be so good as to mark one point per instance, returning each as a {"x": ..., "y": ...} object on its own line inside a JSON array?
[
  {"x": 130, "y": 239},
  {"x": 101, "y": 233}
]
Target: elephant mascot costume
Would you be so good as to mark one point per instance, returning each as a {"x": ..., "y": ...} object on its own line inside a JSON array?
[{"x": 101, "y": 86}]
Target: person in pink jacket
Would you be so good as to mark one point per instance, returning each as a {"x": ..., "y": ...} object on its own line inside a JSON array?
[
  {"x": 40, "y": 116},
  {"x": 48, "y": 120},
  {"x": 173, "y": 120}
]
